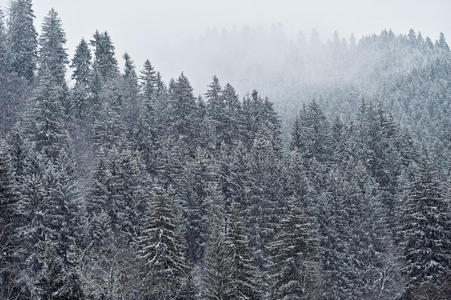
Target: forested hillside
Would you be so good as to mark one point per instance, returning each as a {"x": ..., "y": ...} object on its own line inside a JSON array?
[{"x": 117, "y": 185}]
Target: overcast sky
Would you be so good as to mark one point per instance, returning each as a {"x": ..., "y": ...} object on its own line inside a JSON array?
[{"x": 145, "y": 27}]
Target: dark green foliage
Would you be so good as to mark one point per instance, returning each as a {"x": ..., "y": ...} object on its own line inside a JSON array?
[
  {"x": 161, "y": 249},
  {"x": 52, "y": 54},
  {"x": 425, "y": 232},
  {"x": 118, "y": 187},
  {"x": 295, "y": 266},
  {"x": 22, "y": 38}
]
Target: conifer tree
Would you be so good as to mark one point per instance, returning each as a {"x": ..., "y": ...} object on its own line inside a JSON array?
[
  {"x": 22, "y": 38},
  {"x": 232, "y": 130},
  {"x": 311, "y": 133},
  {"x": 56, "y": 284},
  {"x": 82, "y": 74},
  {"x": 425, "y": 232},
  {"x": 442, "y": 42},
  {"x": 148, "y": 81},
  {"x": 5, "y": 59},
  {"x": 264, "y": 200},
  {"x": 161, "y": 249},
  {"x": 45, "y": 124},
  {"x": 52, "y": 54},
  {"x": 216, "y": 109},
  {"x": 245, "y": 284},
  {"x": 193, "y": 192},
  {"x": 105, "y": 63},
  {"x": 9, "y": 224},
  {"x": 296, "y": 271},
  {"x": 182, "y": 108},
  {"x": 81, "y": 63},
  {"x": 216, "y": 277}
]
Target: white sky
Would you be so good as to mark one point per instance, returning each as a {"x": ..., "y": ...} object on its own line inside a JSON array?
[{"x": 145, "y": 27}]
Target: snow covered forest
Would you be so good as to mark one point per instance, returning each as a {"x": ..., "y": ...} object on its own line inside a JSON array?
[{"x": 117, "y": 185}]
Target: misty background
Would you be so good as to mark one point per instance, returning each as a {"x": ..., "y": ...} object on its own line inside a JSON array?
[{"x": 200, "y": 37}]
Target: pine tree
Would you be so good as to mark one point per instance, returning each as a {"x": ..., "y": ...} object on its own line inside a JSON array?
[
  {"x": 425, "y": 232},
  {"x": 52, "y": 54},
  {"x": 161, "y": 249},
  {"x": 295, "y": 266},
  {"x": 22, "y": 37}
]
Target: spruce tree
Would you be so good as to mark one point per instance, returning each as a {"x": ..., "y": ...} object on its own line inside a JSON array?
[
  {"x": 182, "y": 108},
  {"x": 193, "y": 192},
  {"x": 161, "y": 249},
  {"x": 296, "y": 270},
  {"x": 442, "y": 42},
  {"x": 22, "y": 38},
  {"x": 45, "y": 122},
  {"x": 425, "y": 232},
  {"x": 245, "y": 283},
  {"x": 82, "y": 74},
  {"x": 105, "y": 63},
  {"x": 216, "y": 109},
  {"x": 9, "y": 223},
  {"x": 5, "y": 59},
  {"x": 148, "y": 81},
  {"x": 81, "y": 63},
  {"x": 217, "y": 263},
  {"x": 52, "y": 54},
  {"x": 232, "y": 130}
]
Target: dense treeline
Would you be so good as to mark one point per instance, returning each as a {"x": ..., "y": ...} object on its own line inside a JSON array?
[
  {"x": 125, "y": 187},
  {"x": 408, "y": 74}
]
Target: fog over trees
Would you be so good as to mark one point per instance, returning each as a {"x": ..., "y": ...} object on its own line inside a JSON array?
[{"x": 323, "y": 172}]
